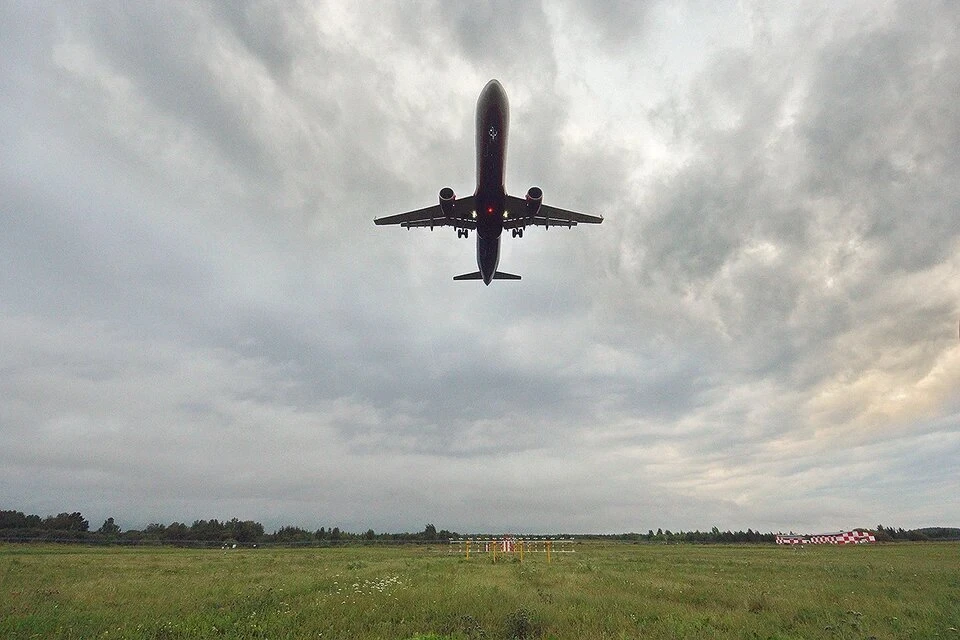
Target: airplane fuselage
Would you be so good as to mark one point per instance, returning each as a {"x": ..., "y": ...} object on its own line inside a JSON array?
[
  {"x": 490, "y": 209},
  {"x": 493, "y": 122}
]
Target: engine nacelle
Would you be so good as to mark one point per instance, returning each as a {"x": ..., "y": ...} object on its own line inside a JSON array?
[
  {"x": 534, "y": 198},
  {"x": 448, "y": 201}
]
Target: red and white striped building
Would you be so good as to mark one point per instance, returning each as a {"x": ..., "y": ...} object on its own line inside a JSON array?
[{"x": 841, "y": 537}]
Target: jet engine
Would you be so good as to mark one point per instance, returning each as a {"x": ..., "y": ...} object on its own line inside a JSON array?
[
  {"x": 447, "y": 201},
  {"x": 534, "y": 198}
]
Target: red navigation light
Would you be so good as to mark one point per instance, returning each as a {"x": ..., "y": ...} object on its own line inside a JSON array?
[{"x": 489, "y": 209}]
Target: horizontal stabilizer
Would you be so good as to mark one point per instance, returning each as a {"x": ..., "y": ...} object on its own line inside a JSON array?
[{"x": 499, "y": 275}]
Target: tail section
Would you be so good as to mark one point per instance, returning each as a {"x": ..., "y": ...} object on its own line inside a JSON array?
[{"x": 499, "y": 275}]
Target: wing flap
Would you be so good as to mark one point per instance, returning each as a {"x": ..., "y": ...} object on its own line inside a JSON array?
[
  {"x": 553, "y": 213},
  {"x": 546, "y": 216},
  {"x": 427, "y": 214},
  {"x": 460, "y": 224},
  {"x": 434, "y": 217}
]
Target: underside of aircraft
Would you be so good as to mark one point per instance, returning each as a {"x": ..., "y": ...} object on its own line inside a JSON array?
[{"x": 490, "y": 209}]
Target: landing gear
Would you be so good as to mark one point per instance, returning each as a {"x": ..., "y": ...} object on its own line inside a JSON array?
[
  {"x": 518, "y": 233},
  {"x": 463, "y": 233}
]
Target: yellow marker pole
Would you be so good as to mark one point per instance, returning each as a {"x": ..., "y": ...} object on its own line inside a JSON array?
[
  {"x": 549, "y": 545},
  {"x": 468, "y": 549}
]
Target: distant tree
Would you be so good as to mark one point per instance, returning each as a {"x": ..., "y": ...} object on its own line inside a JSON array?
[
  {"x": 941, "y": 533},
  {"x": 109, "y": 528},
  {"x": 12, "y": 520},
  {"x": 429, "y": 532},
  {"x": 66, "y": 522},
  {"x": 246, "y": 531},
  {"x": 292, "y": 535},
  {"x": 335, "y": 533},
  {"x": 132, "y": 535},
  {"x": 210, "y": 530},
  {"x": 369, "y": 535},
  {"x": 17, "y": 520},
  {"x": 177, "y": 531}
]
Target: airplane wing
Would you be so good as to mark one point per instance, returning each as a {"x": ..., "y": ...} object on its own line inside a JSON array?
[
  {"x": 546, "y": 216},
  {"x": 434, "y": 216}
]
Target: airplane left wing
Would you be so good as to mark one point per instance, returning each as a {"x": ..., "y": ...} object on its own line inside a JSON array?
[
  {"x": 546, "y": 216},
  {"x": 435, "y": 217}
]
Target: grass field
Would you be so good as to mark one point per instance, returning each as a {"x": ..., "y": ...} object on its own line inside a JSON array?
[{"x": 600, "y": 591}]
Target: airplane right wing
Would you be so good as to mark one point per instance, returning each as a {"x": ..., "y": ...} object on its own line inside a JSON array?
[
  {"x": 434, "y": 216},
  {"x": 553, "y": 213},
  {"x": 546, "y": 216}
]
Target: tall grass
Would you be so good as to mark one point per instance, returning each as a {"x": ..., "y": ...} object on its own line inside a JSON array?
[{"x": 600, "y": 591}]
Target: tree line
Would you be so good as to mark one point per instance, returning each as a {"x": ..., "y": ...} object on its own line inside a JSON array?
[
  {"x": 890, "y": 534},
  {"x": 714, "y": 536},
  {"x": 17, "y": 526}
]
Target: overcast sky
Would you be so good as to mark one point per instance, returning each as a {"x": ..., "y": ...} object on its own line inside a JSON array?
[{"x": 198, "y": 318}]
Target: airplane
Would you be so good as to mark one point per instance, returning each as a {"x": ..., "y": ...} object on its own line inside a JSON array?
[{"x": 490, "y": 210}]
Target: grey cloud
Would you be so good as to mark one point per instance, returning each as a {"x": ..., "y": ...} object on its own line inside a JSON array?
[
  {"x": 168, "y": 58},
  {"x": 199, "y": 318},
  {"x": 267, "y": 30},
  {"x": 881, "y": 119},
  {"x": 616, "y": 24},
  {"x": 500, "y": 36}
]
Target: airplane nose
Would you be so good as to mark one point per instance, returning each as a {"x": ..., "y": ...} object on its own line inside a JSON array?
[{"x": 494, "y": 87}]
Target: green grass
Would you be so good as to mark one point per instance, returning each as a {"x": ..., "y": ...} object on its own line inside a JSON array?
[{"x": 600, "y": 591}]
